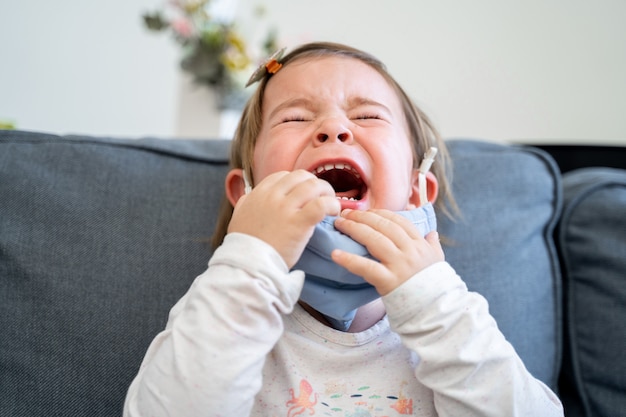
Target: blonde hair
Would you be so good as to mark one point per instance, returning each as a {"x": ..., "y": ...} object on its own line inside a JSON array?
[{"x": 422, "y": 133}]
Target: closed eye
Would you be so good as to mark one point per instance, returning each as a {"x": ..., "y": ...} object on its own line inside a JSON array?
[
  {"x": 293, "y": 119},
  {"x": 367, "y": 116}
]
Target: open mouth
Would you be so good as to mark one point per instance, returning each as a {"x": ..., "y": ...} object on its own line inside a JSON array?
[{"x": 345, "y": 180}]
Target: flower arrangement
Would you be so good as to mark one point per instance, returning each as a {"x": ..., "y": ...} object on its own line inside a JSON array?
[{"x": 213, "y": 51}]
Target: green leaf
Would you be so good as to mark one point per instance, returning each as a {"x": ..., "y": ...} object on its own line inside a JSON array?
[{"x": 155, "y": 21}]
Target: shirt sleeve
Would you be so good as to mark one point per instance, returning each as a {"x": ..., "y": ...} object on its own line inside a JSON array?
[
  {"x": 463, "y": 357},
  {"x": 209, "y": 359}
]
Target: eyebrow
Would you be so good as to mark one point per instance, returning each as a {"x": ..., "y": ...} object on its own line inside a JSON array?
[
  {"x": 296, "y": 102},
  {"x": 364, "y": 101},
  {"x": 307, "y": 104}
]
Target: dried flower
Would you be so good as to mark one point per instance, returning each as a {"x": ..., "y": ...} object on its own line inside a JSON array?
[{"x": 212, "y": 50}]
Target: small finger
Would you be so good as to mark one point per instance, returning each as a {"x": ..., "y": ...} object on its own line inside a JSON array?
[
  {"x": 311, "y": 187},
  {"x": 386, "y": 224},
  {"x": 285, "y": 181},
  {"x": 377, "y": 243},
  {"x": 433, "y": 239},
  {"x": 372, "y": 271},
  {"x": 407, "y": 226},
  {"x": 316, "y": 209}
]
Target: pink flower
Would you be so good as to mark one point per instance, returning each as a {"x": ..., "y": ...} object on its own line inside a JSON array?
[{"x": 182, "y": 27}]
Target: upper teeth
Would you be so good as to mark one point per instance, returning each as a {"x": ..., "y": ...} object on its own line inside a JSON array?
[{"x": 338, "y": 165}]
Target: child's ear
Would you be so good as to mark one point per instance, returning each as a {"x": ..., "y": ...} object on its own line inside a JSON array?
[
  {"x": 234, "y": 185},
  {"x": 432, "y": 189}
]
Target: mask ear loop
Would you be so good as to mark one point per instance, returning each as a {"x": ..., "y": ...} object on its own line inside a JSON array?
[
  {"x": 427, "y": 162},
  {"x": 247, "y": 186}
]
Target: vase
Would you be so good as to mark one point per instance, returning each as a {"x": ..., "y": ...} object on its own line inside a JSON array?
[{"x": 206, "y": 113}]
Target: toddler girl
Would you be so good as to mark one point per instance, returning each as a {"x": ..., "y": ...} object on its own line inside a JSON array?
[{"x": 328, "y": 293}]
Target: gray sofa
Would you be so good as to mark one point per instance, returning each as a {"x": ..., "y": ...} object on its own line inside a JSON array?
[{"x": 100, "y": 236}]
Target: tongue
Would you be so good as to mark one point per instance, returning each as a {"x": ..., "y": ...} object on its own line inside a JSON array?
[
  {"x": 354, "y": 193},
  {"x": 344, "y": 183}
]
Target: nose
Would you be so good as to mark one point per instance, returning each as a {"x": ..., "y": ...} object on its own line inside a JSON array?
[{"x": 332, "y": 129}]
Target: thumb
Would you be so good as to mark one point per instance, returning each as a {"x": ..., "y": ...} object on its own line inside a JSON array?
[
  {"x": 432, "y": 236},
  {"x": 433, "y": 240}
]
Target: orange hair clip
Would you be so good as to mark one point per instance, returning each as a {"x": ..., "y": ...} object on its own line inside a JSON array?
[
  {"x": 270, "y": 66},
  {"x": 273, "y": 66}
]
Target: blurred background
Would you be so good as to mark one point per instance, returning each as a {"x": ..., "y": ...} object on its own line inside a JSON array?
[{"x": 534, "y": 71}]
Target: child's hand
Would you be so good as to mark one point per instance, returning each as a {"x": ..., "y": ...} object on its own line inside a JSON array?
[
  {"x": 283, "y": 210},
  {"x": 393, "y": 240}
]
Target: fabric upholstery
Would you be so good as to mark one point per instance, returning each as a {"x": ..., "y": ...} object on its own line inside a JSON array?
[
  {"x": 99, "y": 237},
  {"x": 592, "y": 238},
  {"x": 502, "y": 246}
]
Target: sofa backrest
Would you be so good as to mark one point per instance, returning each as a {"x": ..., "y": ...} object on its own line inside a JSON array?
[
  {"x": 592, "y": 242},
  {"x": 502, "y": 245},
  {"x": 99, "y": 237}
]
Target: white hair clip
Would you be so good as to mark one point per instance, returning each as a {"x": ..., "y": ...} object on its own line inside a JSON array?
[
  {"x": 247, "y": 186},
  {"x": 427, "y": 162}
]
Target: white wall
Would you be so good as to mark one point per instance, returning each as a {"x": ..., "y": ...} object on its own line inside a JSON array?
[
  {"x": 85, "y": 66},
  {"x": 536, "y": 70}
]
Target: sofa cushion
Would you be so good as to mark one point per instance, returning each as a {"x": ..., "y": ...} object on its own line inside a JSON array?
[
  {"x": 98, "y": 239},
  {"x": 592, "y": 239},
  {"x": 502, "y": 244}
]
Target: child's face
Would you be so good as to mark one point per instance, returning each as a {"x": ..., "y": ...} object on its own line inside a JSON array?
[{"x": 339, "y": 118}]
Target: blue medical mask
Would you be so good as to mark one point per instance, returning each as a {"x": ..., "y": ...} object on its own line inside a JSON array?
[{"x": 333, "y": 290}]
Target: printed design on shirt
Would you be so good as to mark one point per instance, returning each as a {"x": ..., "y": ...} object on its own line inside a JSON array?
[
  {"x": 402, "y": 405},
  {"x": 338, "y": 402},
  {"x": 305, "y": 401}
]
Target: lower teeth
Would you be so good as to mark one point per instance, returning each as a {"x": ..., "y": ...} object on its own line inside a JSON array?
[{"x": 347, "y": 198}]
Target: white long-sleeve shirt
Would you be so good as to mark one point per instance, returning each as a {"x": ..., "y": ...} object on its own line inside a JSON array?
[{"x": 238, "y": 344}]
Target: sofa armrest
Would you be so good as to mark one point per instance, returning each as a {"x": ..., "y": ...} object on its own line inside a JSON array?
[{"x": 592, "y": 243}]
